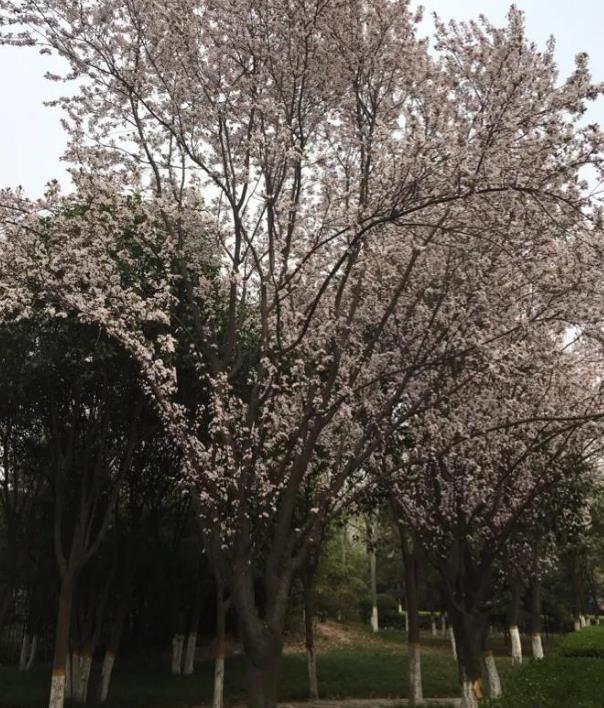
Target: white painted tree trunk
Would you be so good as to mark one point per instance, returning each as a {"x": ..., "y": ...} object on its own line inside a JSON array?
[
  {"x": 57, "y": 689},
  {"x": 85, "y": 667},
  {"x": 516, "y": 644},
  {"x": 33, "y": 648},
  {"x": 492, "y": 675},
  {"x": 313, "y": 681},
  {"x": 68, "y": 681},
  {"x": 443, "y": 625},
  {"x": 24, "y": 652},
  {"x": 106, "y": 671},
  {"x": 76, "y": 662},
  {"x": 189, "y": 663},
  {"x": 433, "y": 625},
  {"x": 375, "y": 622},
  {"x": 577, "y": 625},
  {"x": 416, "y": 695},
  {"x": 177, "y": 645},
  {"x": 469, "y": 698},
  {"x": 582, "y": 621},
  {"x": 453, "y": 644},
  {"x": 217, "y": 701},
  {"x": 537, "y": 646}
]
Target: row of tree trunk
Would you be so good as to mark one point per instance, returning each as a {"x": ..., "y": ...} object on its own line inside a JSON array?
[{"x": 469, "y": 630}]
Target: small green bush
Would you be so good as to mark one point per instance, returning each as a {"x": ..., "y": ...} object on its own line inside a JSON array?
[
  {"x": 587, "y": 642},
  {"x": 387, "y": 610}
]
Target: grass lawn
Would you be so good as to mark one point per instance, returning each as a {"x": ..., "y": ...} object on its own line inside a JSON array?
[
  {"x": 572, "y": 678},
  {"x": 352, "y": 663},
  {"x": 356, "y": 672},
  {"x": 557, "y": 682}
]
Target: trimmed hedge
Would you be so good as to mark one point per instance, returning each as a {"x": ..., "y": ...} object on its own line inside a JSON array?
[
  {"x": 557, "y": 682},
  {"x": 387, "y": 610},
  {"x": 589, "y": 642}
]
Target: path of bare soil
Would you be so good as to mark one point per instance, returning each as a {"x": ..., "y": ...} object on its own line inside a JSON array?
[{"x": 368, "y": 703}]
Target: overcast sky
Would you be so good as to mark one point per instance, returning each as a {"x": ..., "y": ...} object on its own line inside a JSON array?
[{"x": 32, "y": 140}]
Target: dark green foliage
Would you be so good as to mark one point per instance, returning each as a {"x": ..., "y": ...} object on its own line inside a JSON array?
[
  {"x": 342, "y": 576},
  {"x": 387, "y": 610},
  {"x": 558, "y": 682},
  {"x": 588, "y": 642}
]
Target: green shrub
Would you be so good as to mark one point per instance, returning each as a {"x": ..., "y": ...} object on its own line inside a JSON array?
[
  {"x": 387, "y": 610},
  {"x": 557, "y": 682},
  {"x": 587, "y": 642}
]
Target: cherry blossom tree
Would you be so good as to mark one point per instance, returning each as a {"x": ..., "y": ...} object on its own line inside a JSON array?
[
  {"x": 476, "y": 474},
  {"x": 317, "y": 193}
]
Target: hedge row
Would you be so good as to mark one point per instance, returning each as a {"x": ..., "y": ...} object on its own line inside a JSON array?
[{"x": 587, "y": 642}]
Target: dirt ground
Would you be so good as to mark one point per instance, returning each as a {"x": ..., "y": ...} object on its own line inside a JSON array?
[{"x": 367, "y": 703}]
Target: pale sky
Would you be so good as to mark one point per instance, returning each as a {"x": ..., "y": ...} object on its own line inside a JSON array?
[{"x": 32, "y": 139}]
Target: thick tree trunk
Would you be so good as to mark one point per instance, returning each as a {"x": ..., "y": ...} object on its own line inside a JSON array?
[
  {"x": 262, "y": 631},
  {"x": 106, "y": 671},
  {"x": 411, "y": 564},
  {"x": 536, "y": 643},
  {"x": 469, "y": 629},
  {"x": 490, "y": 667},
  {"x": 262, "y": 642},
  {"x": 178, "y": 641},
  {"x": 513, "y": 622},
  {"x": 416, "y": 694},
  {"x": 262, "y": 678},
  {"x": 218, "y": 696},
  {"x": 537, "y": 646},
  {"x": 76, "y": 673},
  {"x": 469, "y": 695},
  {"x": 84, "y": 675},
  {"x": 516, "y": 644},
  {"x": 118, "y": 626},
  {"x": 492, "y": 674},
  {"x": 190, "y": 649},
  {"x": 433, "y": 625},
  {"x": 57, "y": 690},
  {"x": 263, "y": 649},
  {"x": 57, "y": 686}
]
